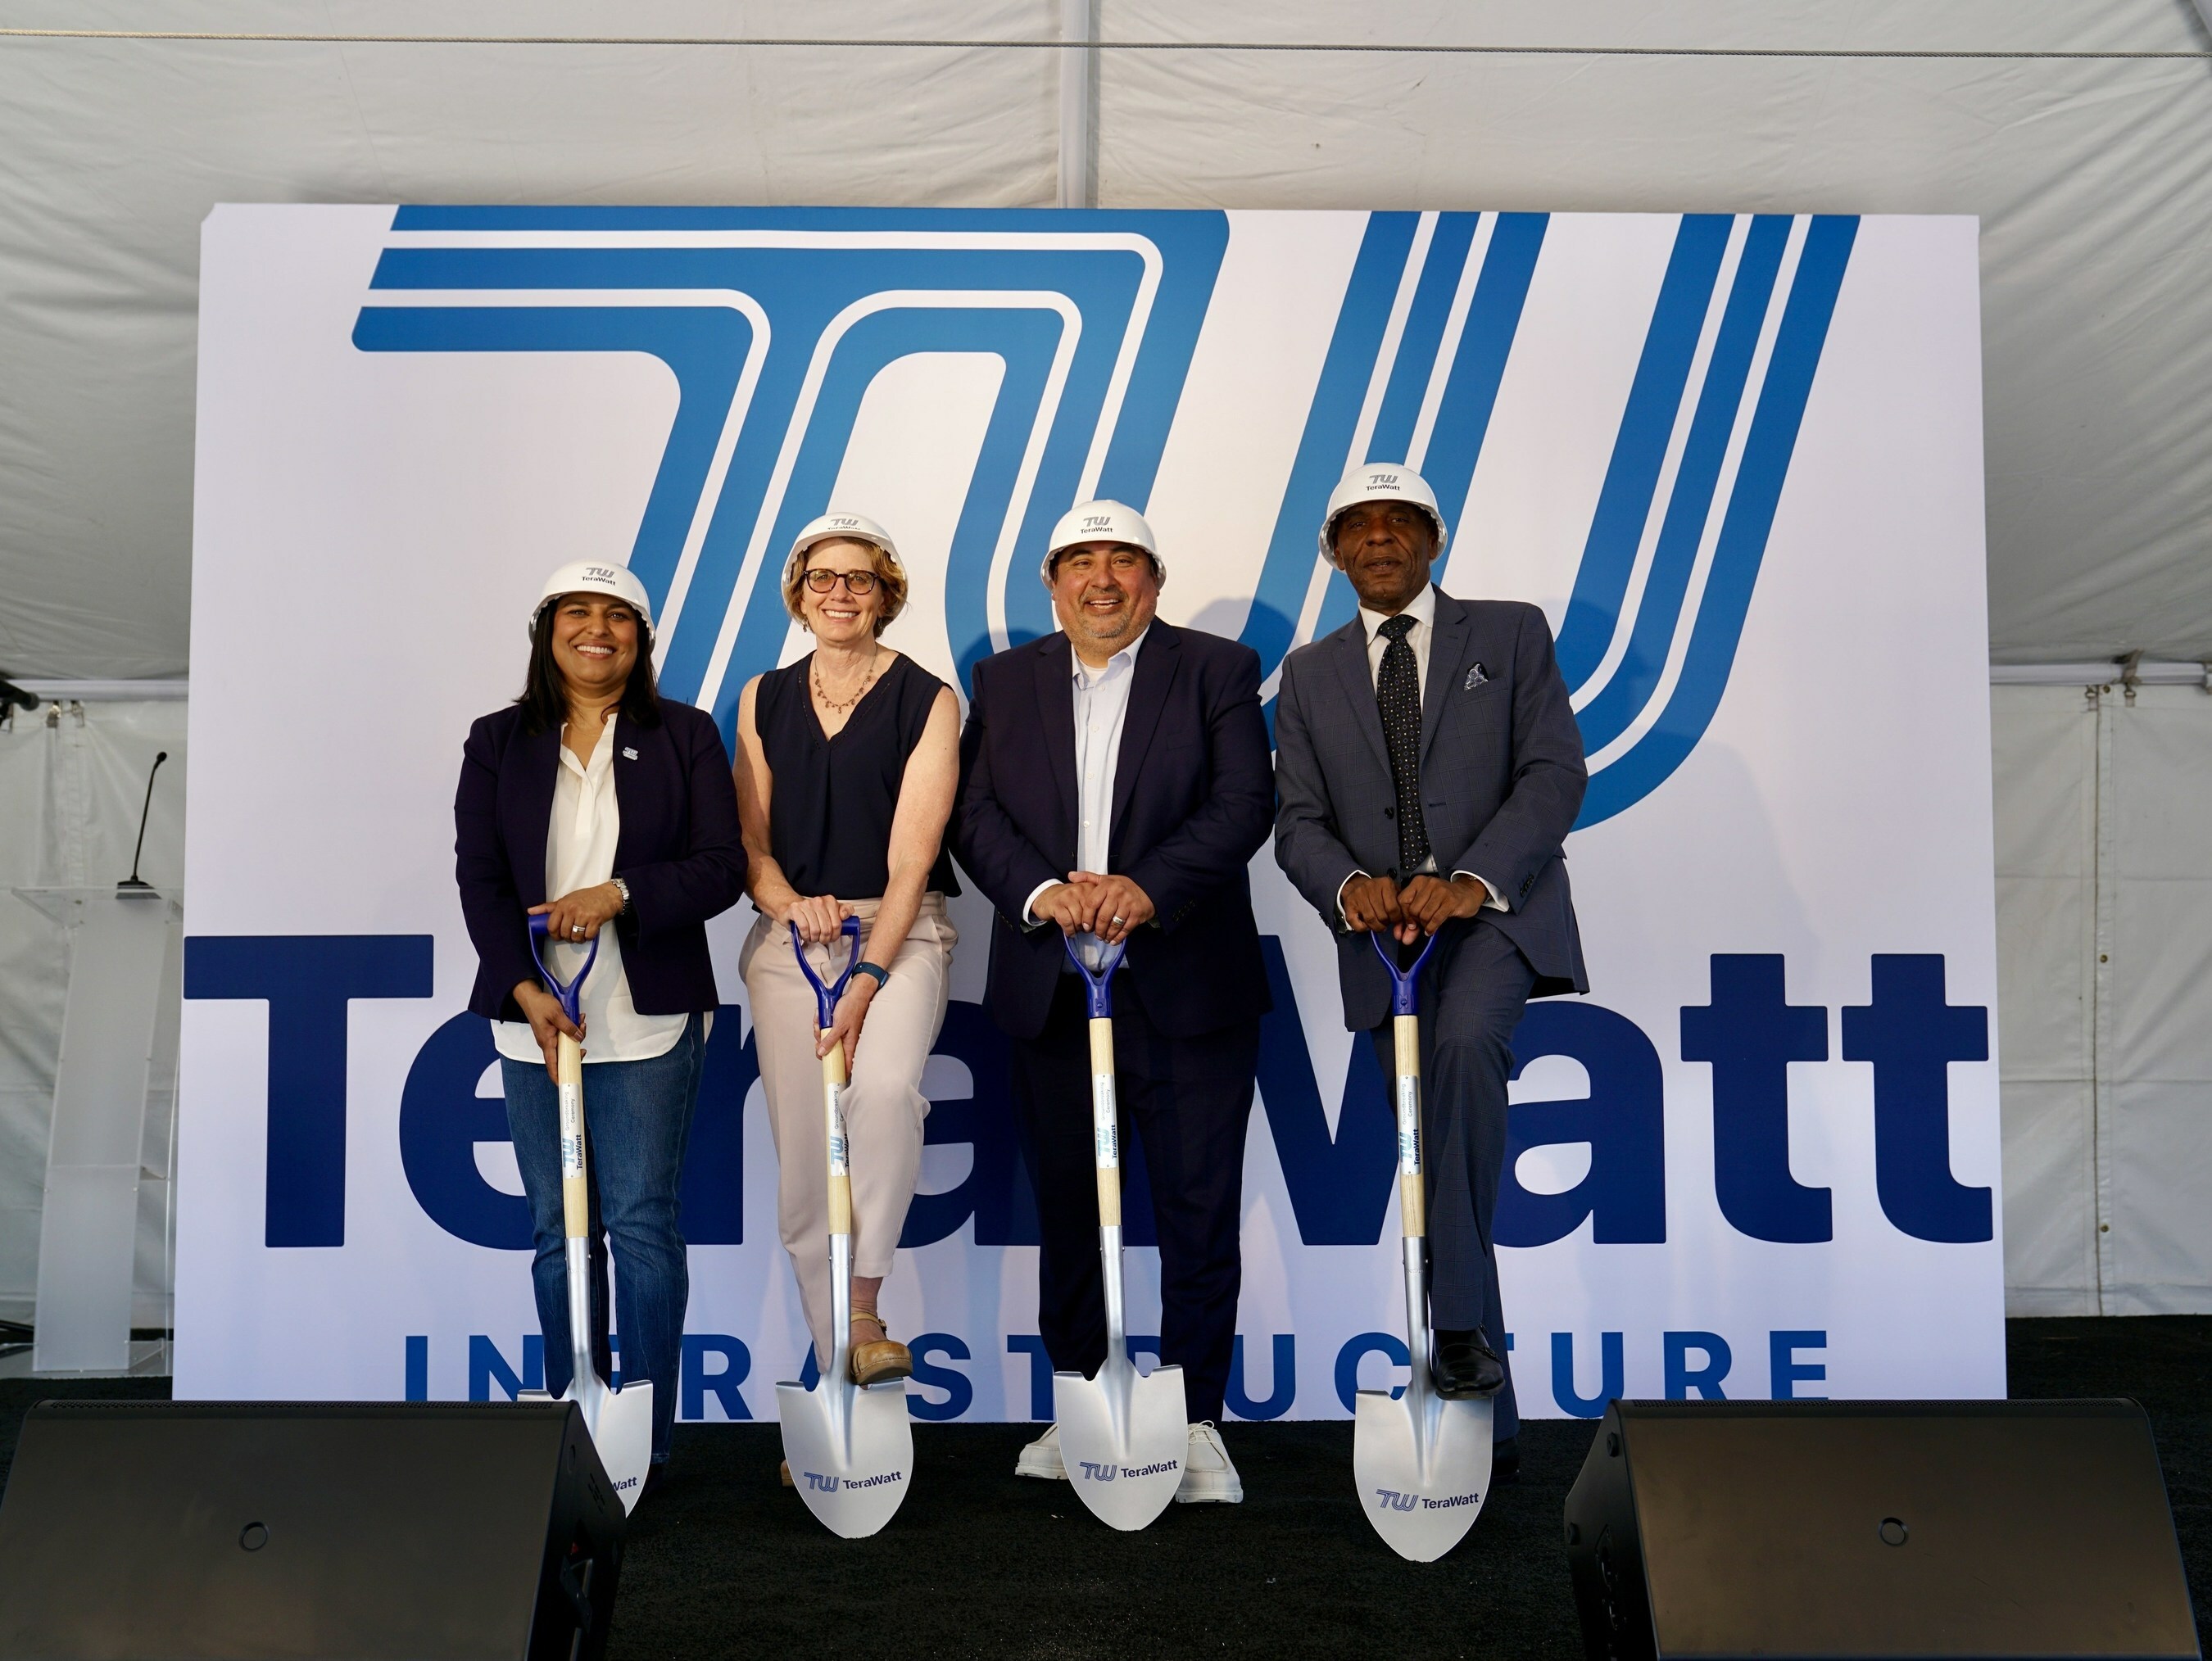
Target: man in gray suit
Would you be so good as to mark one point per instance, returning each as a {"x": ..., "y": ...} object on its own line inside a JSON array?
[{"x": 1427, "y": 769}]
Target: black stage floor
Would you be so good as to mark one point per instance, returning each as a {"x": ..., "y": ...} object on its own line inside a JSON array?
[{"x": 723, "y": 1562}]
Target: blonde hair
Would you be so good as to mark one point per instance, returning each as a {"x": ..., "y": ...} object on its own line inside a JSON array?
[{"x": 891, "y": 580}]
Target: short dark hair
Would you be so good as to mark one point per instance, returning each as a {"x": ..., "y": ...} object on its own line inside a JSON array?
[{"x": 544, "y": 697}]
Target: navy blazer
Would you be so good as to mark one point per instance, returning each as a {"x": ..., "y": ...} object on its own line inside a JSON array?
[
  {"x": 1192, "y": 798},
  {"x": 678, "y": 850},
  {"x": 1502, "y": 779}
]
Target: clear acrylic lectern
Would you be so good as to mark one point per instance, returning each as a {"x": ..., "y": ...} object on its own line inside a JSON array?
[{"x": 123, "y": 958}]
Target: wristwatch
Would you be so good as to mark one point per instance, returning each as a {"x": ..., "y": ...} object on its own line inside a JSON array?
[
  {"x": 881, "y": 975},
  {"x": 621, "y": 889}
]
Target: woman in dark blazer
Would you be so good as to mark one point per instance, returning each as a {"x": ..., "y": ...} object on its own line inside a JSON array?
[{"x": 592, "y": 801}]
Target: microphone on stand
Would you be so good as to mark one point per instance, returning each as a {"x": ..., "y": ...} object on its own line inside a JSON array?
[{"x": 131, "y": 884}]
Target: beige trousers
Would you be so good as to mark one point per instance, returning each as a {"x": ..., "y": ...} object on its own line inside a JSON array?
[{"x": 883, "y": 1103}]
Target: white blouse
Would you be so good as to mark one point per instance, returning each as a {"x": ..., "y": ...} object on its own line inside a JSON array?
[{"x": 579, "y": 853}]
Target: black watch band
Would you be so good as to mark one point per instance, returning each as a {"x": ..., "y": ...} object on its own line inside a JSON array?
[{"x": 881, "y": 975}]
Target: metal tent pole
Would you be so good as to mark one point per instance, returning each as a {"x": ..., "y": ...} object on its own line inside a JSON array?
[{"x": 1079, "y": 84}]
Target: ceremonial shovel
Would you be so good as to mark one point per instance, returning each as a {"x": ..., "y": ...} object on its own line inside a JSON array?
[
  {"x": 620, "y": 1421},
  {"x": 850, "y": 1448},
  {"x": 1122, "y": 1435},
  {"x": 1421, "y": 1462}
]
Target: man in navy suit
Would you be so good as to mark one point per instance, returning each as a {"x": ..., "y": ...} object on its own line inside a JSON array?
[
  {"x": 1428, "y": 768},
  {"x": 1115, "y": 780}
]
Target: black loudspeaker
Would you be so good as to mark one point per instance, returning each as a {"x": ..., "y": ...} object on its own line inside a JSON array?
[
  {"x": 353, "y": 1530},
  {"x": 1876, "y": 1529}
]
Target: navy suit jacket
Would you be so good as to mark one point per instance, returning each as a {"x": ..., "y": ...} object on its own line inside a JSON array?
[
  {"x": 1502, "y": 779},
  {"x": 678, "y": 850},
  {"x": 1193, "y": 798}
]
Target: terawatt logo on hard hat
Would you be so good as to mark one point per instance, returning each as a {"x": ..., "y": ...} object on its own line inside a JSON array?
[
  {"x": 858, "y": 527},
  {"x": 1101, "y": 521},
  {"x": 589, "y": 576},
  {"x": 1371, "y": 484}
]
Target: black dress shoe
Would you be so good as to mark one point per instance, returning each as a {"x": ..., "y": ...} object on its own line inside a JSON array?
[
  {"x": 1466, "y": 1366},
  {"x": 1505, "y": 1460}
]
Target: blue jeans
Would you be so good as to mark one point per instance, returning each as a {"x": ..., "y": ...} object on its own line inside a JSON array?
[{"x": 637, "y": 1118}]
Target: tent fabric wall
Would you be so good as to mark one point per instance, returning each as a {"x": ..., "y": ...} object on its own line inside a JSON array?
[
  {"x": 2044, "y": 741},
  {"x": 2154, "y": 1042},
  {"x": 2104, "y": 969},
  {"x": 71, "y": 780},
  {"x": 2093, "y": 179}
]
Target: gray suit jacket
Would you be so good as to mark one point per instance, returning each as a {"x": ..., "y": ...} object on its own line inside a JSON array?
[{"x": 1502, "y": 779}]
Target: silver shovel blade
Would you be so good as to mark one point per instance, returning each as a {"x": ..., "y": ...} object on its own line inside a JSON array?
[
  {"x": 850, "y": 1450},
  {"x": 1421, "y": 1507},
  {"x": 620, "y": 1423},
  {"x": 1122, "y": 1438}
]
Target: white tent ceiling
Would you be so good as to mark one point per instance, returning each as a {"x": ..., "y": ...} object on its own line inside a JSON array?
[{"x": 2093, "y": 178}]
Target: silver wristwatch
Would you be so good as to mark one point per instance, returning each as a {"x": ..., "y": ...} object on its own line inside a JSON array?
[{"x": 621, "y": 889}]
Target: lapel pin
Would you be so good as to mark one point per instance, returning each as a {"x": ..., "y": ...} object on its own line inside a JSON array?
[
  {"x": 629, "y": 755},
  {"x": 1475, "y": 678}
]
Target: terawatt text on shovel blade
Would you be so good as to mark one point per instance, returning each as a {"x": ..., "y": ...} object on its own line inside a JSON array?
[
  {"x": 1126, "y": 1479},
  {"x": 854, "y": 1483},
  {"x": 1421, "y": 1513},
  {"x": 621, "y": 1422}
]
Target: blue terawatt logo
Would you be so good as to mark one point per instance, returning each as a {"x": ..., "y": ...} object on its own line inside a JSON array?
[{"x": 774, "y": 322}]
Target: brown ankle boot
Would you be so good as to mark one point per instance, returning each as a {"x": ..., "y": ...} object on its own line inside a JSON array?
[{"x": 880, "y": 1358}]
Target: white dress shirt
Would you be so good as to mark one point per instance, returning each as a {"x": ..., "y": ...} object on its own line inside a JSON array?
[
  {"x": 579, "y": 853},
  {"x": 1101, "y": 710},
  {"x": 1422, "y": 608}
]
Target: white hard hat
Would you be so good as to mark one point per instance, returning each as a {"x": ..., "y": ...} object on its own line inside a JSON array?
[
  {"x": 1101, "y": 521},
  {"x": 1375, "y": 483},
  {"x": 617, "y": 582},
  {"x": 852, "y": 527}
]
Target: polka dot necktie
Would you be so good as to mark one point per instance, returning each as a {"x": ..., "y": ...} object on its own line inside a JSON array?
[{"x": 1398, "y": 690}]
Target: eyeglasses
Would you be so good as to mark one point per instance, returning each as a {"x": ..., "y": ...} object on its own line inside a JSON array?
[{"x": 856, "y": 582}]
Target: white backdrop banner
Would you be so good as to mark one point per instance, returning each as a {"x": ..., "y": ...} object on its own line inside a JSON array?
[{"x": 1736, "y": 459}]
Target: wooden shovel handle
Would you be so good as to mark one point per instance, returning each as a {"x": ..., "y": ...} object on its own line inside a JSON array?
[
  {"x": 575, "y": 1187},
  {"x": 840, "y": 1179},
  {"x": 1105, "y": 1129},
  {"x": 1412, "y": 1184}
]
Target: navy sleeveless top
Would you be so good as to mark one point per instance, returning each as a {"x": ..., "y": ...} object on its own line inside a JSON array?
[{"x": 831, "y": 799}]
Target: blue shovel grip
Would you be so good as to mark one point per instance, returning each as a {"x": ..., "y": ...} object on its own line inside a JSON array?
[
  {"x": 570, "y": 992},
  {"x": 1401, "y": 980},
  {"x": 825, "y": 997},
  {"x": 1102, "y": 995}
]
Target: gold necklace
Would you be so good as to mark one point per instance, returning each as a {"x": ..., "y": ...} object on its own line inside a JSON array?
[{"x": 830, "y": 703}]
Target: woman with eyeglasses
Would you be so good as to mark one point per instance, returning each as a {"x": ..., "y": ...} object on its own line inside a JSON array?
[{"x": 848, "y": 762}]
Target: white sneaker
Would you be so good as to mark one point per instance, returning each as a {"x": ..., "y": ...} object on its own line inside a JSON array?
[
  {"x": 1041, "y": 1458},
  {"x": 1208, "y": 1477}
]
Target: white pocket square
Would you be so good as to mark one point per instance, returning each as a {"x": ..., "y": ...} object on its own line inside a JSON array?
[{"x": 1475, "y": 678}]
